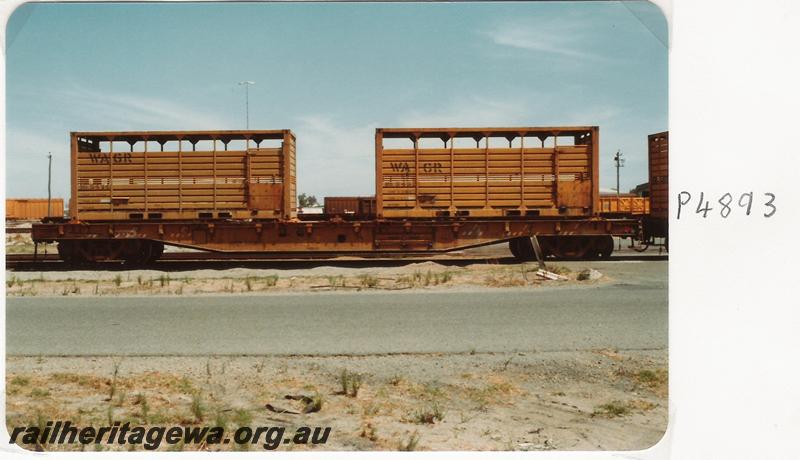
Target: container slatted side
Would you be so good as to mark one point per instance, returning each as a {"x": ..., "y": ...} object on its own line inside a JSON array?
[
  {"x": 33, "y": 208},
  {"x": 487, "y": 181},
  {"x": 182, "y": 183},
  {"x": 658, "y": 157},
  {"x": 290, "y": 208}
]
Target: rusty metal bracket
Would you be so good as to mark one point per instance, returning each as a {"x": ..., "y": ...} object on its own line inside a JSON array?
[{"x": 538, "y": 251}]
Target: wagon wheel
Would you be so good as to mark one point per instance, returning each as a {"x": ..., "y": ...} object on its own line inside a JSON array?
[
  {"x": 522, "y": 249},
  {"x": 68, "y": 252},
  {"x": 605, "y": 246},
  {"x": 137, "y": 252},
  {"x": 573, "y": 247},
  {"x": 156, "y": 250},
  {"x": 112, "y": 250},
  {"x": 85, "y": 251}
]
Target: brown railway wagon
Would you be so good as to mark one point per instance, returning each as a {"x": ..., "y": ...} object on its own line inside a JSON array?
[
  {"x": 658, "y": 158},
  {"x": 624, "y": 205},
  {"x": 568, "y": 226},
  {"x": 656, "y": 224},
  {"x": 350, "y": 206},
  {"x": 549, "y": 172},
  {"x": 33, "y": 208},
  {"x": 183, "y": 175},
  {"x": 141, "y": 242}
]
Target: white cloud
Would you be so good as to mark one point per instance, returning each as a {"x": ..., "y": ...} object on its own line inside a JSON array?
[
  {"x": 82, "y": 109},
  {"x": 333, "y": 159},
  {"x": 26, "y": 163},
  {"x": 470, "y": 111},
  {"x": 593, "y": 116},
  {"x": 23, "y": 143},
  {"x": 568, "y": 39},
  {"x": 112, "y": 111},
  {"x": 530, "y": 109},
  {"x": 534, "y": 40}
]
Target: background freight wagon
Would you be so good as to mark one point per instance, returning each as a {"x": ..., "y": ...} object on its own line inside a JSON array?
[
  {"x": 656, "y": 224},
  {"x": 352, "y": 206},
  {"x": 183, "y": 175},
  {"x": 624, "y": 205},
  {"x": 500, "y": 172},
  {"x": 33, "y": 208}
]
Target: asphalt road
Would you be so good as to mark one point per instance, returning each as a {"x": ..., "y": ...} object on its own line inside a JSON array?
[{"x": 630, "y": 313}]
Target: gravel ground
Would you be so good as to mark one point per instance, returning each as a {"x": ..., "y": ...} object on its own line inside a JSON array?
[
  {"x": 423, "y": 275},
  {"x": 594, "y": 400}
]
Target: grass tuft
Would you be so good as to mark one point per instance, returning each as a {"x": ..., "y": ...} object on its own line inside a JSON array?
[
  {"x": 198, "y": 408},
  {"x": 429, "y": 415},
  {"x": 611, "y": 410},
  {"x": 20, "y": 380},
  {"x": 271, "y": 280},
  {"x": 409, "y": 444},
  {"x": 368, "y": 281},
  {"x": 350, "y": 383}
]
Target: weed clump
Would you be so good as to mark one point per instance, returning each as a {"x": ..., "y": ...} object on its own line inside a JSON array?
[
  {"x": 410, "y": 444},
  {"x": 271, "y": 280},
  {"x": 198, "y": 409},
  {"x": 368, "y": 281},
  {"x": 611, "y": 410},
  {"x": 428, "y": 415},
  {"x": 350, "y": 383}
]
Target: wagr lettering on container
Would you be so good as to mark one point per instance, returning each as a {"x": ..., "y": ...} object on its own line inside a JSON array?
[{"x": 106, "y": 158}]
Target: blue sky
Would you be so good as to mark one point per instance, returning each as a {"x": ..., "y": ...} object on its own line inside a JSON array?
[{"x": 332, "y": 73}]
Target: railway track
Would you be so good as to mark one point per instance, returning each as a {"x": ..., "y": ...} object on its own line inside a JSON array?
[
  {"x": 182, "y": 261},
  {"x": 10, "y": 230}
]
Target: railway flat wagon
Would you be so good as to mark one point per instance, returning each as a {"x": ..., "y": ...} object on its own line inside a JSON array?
[
  {"x": 547, "y": 172},
  {"x": 183, "y": 175},
  {"x": 33, "y": 208},
  {"x": 201, "y": 190}
]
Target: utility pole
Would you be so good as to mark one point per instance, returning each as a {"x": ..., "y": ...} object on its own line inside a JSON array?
[
  {"x": 619, "y": 162},
  {"x": 247, "y": 84},
  {"x": 49, "y": 174}
]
